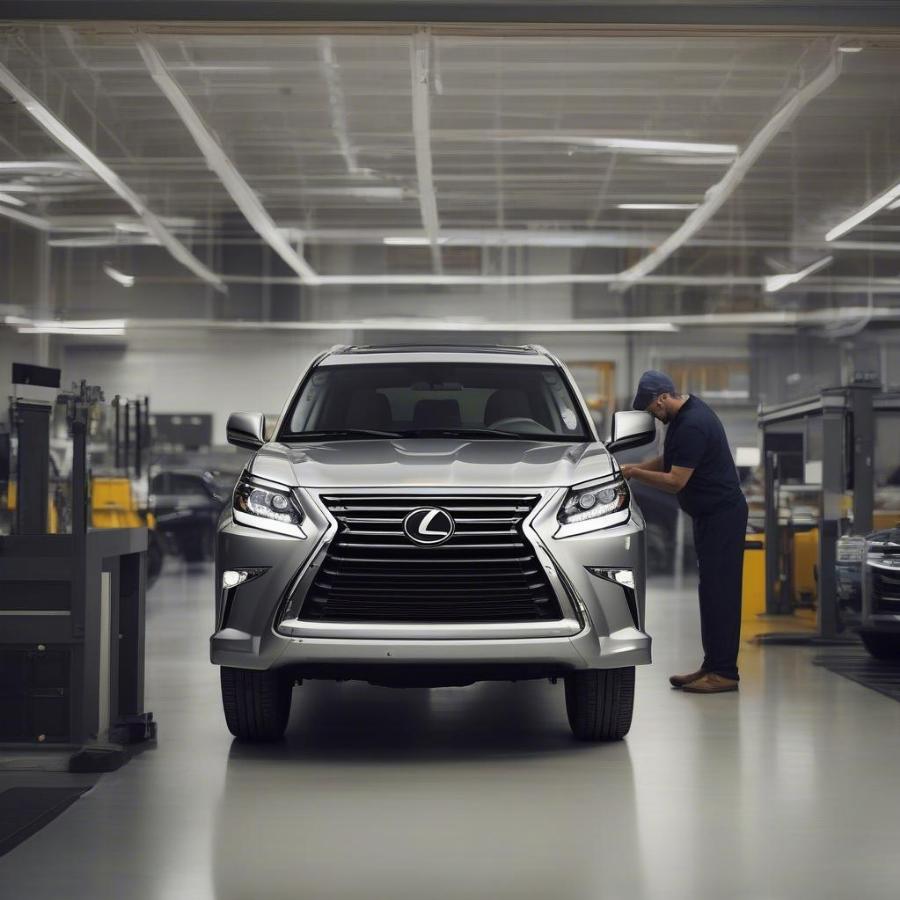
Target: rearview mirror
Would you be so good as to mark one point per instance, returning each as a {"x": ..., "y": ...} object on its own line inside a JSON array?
[
  {"x": 631, "y": 428},
  {"x": 247, "y": 430}
]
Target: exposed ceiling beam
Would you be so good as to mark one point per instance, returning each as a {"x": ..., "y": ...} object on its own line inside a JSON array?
[
  {"x": 216, "y": 158},
  {"x": 331, "y": 72},
  {"x": 24, "y": 218},
  {"x": 720, "y": 192},
  {"x": 70, "y": 142},
  {"x": 420, "y": 64},
  {"x": 747, "y": 320}
]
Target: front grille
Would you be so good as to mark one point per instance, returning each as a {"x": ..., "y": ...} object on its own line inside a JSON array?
[
  {"x": 486, "y": 572},
  {"x": 885, "y": 590}
]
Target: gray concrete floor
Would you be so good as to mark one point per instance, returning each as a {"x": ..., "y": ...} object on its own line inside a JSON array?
[{"x": 788, "y": 790}]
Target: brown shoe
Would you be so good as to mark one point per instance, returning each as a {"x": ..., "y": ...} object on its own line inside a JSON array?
[
  {"x": 711, "y": 683},
  {"x": 680, "y": 681}
]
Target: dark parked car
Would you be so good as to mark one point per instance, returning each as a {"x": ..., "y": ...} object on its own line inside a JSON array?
[{"x": 187, "y": 506}]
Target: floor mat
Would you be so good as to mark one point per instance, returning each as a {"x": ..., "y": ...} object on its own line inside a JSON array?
[
  {"x": 858, "y": 666},
  {"x": 25, "y": 810}
]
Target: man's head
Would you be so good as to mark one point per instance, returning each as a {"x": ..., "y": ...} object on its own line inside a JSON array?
[{"x": 656, "y": 395}]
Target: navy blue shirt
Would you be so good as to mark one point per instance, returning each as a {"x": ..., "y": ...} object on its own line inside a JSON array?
[{"x": 695, "y": 439}]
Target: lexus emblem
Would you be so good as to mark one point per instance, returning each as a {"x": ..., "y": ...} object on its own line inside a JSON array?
[{"x": 429, "y": 526}]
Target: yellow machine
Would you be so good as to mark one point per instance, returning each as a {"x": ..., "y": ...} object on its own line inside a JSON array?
[
  {"x": 805, "y": 559},
  {"x": 113, "y": 505},
  {"x": 753, "y": 603}
]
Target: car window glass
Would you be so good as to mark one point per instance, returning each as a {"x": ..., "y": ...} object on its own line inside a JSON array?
[{"x": 528, "y": 399}]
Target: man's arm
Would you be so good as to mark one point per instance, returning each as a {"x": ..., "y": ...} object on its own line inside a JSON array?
[
  {"x": 671, "y": 482},
  {"x": 649, "y": 465}
]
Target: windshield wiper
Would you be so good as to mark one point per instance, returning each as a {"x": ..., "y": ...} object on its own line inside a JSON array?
[{"x": 345, "y": 432}]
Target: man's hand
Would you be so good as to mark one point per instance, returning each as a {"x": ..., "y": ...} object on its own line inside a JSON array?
[{"x": 628, "y": 470}]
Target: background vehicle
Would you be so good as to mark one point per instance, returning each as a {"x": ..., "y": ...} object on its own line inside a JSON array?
[
  {"x": 432, "y": 516},
  {"x": 187, "y": 505},
  {"x": 868, "y": 579}
]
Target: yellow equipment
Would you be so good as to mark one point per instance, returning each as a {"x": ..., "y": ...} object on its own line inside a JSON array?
[
  {"x": 753, "y": 602},
  {"x": 805, "y": 560},
  {"x": 113, "y": 505}
]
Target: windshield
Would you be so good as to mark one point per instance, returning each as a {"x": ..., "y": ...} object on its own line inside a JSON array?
[{"x": 477, "y": 400}]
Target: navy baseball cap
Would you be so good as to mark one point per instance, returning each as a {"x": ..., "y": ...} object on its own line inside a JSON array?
[{"x": 651, "y": 385}]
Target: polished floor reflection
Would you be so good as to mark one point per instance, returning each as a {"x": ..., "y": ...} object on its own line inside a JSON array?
[{"x": 787, "y": 790}]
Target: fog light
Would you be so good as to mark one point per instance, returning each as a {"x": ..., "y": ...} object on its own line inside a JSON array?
[
  {"x": 231, "y": 578},
  {"x": 625, "y": 577}
]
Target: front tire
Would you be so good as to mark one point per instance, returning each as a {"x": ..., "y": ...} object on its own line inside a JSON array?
[
  {"x": 257, "y": 704},
  {"x": 599, "y": 703},
  {"x": 882, "y": 645}
]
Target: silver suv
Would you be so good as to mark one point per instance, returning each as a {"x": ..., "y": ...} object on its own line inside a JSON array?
[{"x": 431, "y": 516}]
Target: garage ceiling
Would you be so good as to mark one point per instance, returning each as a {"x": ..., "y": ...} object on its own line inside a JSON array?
[{"x": 538, "y": 141}]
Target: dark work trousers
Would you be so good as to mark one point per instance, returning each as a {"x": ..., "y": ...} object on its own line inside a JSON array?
[{"x": 719, "y": 542}]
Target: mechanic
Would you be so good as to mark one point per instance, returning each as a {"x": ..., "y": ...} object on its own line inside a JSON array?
[{"x": 697, "y": 465}]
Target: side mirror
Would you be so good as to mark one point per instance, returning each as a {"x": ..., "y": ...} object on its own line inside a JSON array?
[
  {"x": 631, "y": 428},
  {"x": 246, "y": 430}
]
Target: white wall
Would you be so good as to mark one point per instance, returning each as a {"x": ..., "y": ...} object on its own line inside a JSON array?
[
  {"x": 198, "y": 371},
  {"x": 223, "y": 372}
]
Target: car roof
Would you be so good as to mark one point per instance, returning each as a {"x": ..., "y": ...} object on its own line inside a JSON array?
[{"x": 472, "y": 353}]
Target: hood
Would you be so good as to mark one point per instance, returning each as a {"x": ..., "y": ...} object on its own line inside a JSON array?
[{"x": 432, "y": 462}]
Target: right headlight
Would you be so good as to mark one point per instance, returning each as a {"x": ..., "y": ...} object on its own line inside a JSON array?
[
  {"x": 602, "y": 503},
  {"x": 267, "y": 506}
]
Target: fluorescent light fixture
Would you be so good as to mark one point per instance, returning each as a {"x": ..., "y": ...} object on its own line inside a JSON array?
[
  {"x": 216, "y": 158},
  {"x": 894, "y": 205},
  {"x": 101, "y": 241},
  {"x": 649, "y": 206},
  {"x": 46, "y": 167},
  {"x": 75, "y": 332},
  {"x": 70, "y": 141},
  {"x": 363, "y": 192},
  {"x": 627, "y": 145},
  {"x": 642, "y": 144},
  {"x": 8, "y": 198},
  {"x": 77, "y": 327},
  {"x": 851, "y": 47},
  {"x": 119, "y": 277},
  {"x": 401, "y": 241},
  {"x": 869, "y": 210},
  {"x": 775, "y": 283}
]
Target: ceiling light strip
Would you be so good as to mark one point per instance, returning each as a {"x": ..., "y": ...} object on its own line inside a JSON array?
[
  {"x": 67, "y": 139},
  {"x": 719, "y": 193},
  {"x": 498, "y": 280},
  {"x": 118, "y": 277},
  {"x": 883, "y": 200},
  {"x": 421, "y": 118},
  {"x": 216, "y": 158},
  {"x": 776, "y": 283}
]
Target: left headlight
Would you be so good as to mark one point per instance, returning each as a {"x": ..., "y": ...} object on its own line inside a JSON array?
[
  {"x": 264, "y": 505},
  {"x": 605, "y": 501}
]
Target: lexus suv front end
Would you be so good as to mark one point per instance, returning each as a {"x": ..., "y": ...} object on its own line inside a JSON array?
[{"x": 428, "y": 516}]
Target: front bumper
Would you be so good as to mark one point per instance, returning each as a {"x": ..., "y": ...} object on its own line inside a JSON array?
[{"x": 601, "y": 625}]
